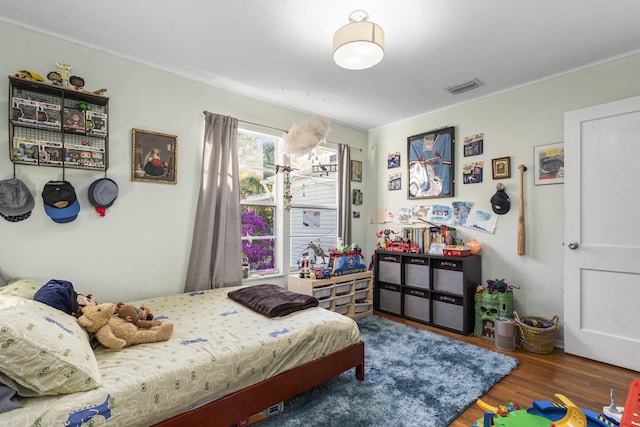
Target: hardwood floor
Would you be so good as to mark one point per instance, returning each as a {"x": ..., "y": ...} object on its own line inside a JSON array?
[{"x": 539, "y": 376}]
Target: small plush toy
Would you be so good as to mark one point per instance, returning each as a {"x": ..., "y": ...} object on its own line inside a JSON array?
[
  {"x": 139, "y": 316},
  {"x": 115, "y": 332}
]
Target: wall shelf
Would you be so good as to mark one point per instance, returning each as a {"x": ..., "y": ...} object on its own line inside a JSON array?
[{"x": 54, "y": 126}]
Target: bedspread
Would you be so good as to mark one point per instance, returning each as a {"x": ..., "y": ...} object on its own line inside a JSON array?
[{"x": 218, "y": 347}]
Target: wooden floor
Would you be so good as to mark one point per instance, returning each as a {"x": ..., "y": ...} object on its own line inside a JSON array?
[{"x": 539, "y": 376}]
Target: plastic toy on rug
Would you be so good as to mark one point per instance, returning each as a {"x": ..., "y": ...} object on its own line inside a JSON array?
[{"x": 541, "y": 414}]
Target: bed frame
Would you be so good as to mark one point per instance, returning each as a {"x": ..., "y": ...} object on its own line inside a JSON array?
[{"x": 228, "y": 410}]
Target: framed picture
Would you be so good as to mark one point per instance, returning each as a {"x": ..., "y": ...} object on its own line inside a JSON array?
[
  {"x": 356, "y": 170},
  {"x": 501, "y": 167},
  {"x": 431, "y": 164},
  {"x": 154, "y": 157},
  {"x": 548, "y": 164}
]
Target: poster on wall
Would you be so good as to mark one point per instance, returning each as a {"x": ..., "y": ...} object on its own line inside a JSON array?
[{"x": 548, "y": 161}]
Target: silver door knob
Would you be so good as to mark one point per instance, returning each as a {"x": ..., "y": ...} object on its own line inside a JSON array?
[{"x": 573, "y": 245}]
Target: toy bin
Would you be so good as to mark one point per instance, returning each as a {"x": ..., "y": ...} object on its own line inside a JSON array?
[
  {"x": 325, "y": 302},
  {"x": 537, "y": 340},
  {"x": 342, "y": 309},
  {"x": 362, "y": 284},
  {"x": 343, "y": 299},
  {"x": 321, "y": 292},
  {"x": 361, "y": 307},
  {"x": 343, "y": 288},
  {"x": 361, "y": 294}
]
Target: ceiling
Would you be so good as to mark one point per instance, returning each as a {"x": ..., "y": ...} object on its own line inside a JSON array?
[{"x": 280, "y": 51}]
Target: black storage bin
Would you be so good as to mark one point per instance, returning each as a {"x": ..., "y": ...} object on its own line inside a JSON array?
[
  {"x": 448, "y": 312},
  {"x": 416, "y": 272},
  {"x": 389, "y": 269},
  {"x": 448, "y": 276},
  {"x": 388, "y": 297},
  {"x": 416, "y": 304}
]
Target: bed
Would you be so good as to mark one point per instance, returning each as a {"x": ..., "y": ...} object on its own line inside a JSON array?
[{"x": 223, "y": 363}]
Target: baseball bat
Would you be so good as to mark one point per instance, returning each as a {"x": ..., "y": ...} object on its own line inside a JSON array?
[{"x": 521, "y": 228}]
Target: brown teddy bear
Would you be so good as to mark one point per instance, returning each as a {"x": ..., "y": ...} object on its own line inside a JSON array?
[
  {"x": 115, "y": 332},
  {"x": 139, "y": 316}
]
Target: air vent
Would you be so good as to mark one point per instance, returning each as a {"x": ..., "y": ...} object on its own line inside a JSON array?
[{"x": 463, "y": 87}]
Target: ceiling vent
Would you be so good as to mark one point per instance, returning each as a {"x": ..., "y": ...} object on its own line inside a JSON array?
[{"x": 463, "y": 87}]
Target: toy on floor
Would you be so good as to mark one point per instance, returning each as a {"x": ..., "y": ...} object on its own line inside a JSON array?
[{"x": 541, "y": 414}]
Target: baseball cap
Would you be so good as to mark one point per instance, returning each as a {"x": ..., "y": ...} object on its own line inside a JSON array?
[
  {"x": 500, "y": 202},
  {"x": 102, "y": 193},
  {"x": 60, "y": 201},
  {"x": 16, "y": 201}
]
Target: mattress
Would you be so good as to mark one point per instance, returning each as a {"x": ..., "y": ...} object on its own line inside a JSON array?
[{"x": 218, "y": 347}]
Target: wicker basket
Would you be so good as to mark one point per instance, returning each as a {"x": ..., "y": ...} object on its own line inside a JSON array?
[{"x": 537, "y": 340}]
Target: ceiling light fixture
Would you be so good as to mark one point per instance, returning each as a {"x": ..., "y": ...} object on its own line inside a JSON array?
[{"x": 359, "y": 44}]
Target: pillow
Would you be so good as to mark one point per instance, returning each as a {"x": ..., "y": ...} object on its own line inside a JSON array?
[
  {"x": 25, "y": 288},
  {"x": 44, "y": 349}
]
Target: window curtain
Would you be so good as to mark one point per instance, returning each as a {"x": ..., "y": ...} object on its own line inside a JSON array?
[
  {"x": 344, "y": 193},
  {"x": 216, "y": 251}
]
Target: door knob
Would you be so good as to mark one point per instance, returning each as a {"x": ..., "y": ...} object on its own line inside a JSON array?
[{"x": 573, "y": 245}]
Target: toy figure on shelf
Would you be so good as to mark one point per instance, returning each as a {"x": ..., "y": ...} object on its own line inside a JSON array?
[
  {"x": 387, "y": 237},
  {"x": 64, "y": 70},
  {"x": 304, "y": 264},
  {"x": 318, "y": 252}
]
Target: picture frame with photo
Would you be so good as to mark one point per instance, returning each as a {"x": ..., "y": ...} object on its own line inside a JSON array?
[
  {"x": 501, "y": 167},
  {"x": 356, "y": 170},
  {"x": 154, "y": 157}
]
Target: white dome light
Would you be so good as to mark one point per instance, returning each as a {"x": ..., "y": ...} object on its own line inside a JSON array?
[{"x": 359, "y": 44}]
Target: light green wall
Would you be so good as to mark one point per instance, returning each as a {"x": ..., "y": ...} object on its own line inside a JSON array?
[
  {"x": 141, "y": 247},
  {"x": 513, "y": 123}
]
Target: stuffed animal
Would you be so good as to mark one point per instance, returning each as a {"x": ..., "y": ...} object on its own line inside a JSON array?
[
  {"x": 139, "y": 316},
  {"x": 115, "y": 332}
]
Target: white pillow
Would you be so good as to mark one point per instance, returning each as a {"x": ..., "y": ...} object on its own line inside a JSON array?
[
  {"x": 25, "y": 288},
  {"x": 44, "y": 349}
]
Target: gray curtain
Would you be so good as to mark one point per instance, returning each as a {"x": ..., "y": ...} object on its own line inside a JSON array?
[
  {"x": 344, "y": 193},
  {"x": 216, "y": 249}
]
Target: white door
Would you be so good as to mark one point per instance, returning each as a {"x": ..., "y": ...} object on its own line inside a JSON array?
[{"x": 602, "y": 233}]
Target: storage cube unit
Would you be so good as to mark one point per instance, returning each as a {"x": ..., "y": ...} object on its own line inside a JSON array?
[
  {"x": 339, "y": 293},
  {"x": 432, "y": 289}
]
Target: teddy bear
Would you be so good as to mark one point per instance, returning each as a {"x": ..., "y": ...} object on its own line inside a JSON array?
[
  {"x": 114, "y": 332},
  {"x": 139, "y": 316}
]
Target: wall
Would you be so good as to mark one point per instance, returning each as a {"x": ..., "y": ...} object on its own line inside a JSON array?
[
  {"x": 513, "y": 122},
  {"x": 141, "y": 247}
]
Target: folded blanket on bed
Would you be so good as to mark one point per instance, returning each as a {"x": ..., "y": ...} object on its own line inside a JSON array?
[{"x": 272, "y": 300}]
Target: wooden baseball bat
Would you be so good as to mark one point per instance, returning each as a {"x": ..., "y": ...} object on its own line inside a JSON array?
[{"x": 521, "y": 228}]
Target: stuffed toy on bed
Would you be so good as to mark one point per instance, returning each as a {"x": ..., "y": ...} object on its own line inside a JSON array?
[
  {"x": 139, "y": 316},
  {"x": 114, "y": 332}
]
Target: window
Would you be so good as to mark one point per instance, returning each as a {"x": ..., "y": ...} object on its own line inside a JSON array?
[
  {"x": 258, "y": 207},
  {"x": 312, "y": 216}
]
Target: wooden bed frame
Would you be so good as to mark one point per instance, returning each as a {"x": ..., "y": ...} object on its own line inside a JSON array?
[{"x": 228, "y": 410}]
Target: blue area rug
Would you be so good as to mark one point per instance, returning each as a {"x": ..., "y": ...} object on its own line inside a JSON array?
[{"x": 413, "y": 377}]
